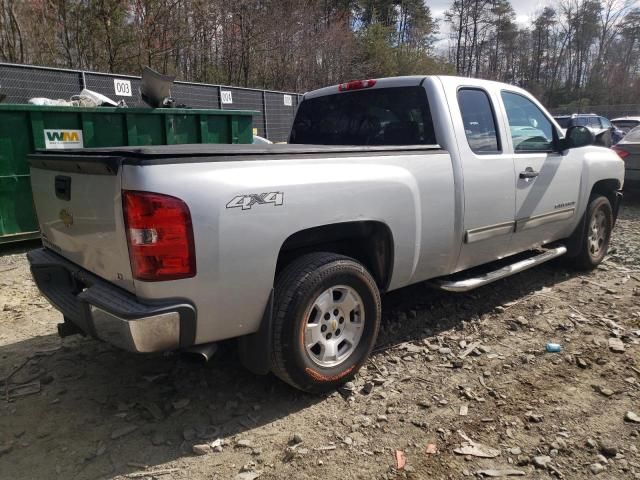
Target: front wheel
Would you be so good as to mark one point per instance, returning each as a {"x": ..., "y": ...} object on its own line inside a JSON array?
[
  {"x": 594, "y": 244},
  {"x": 326, "y": 320}
]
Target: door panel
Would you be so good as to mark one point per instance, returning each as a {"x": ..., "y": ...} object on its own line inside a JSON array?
[
  {"x": 488, "y": 174},
  {"x": 547, "y": 183},
  {"x": 546, "y": 204}
]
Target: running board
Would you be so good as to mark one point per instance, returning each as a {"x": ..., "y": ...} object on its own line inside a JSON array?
[{"x": 486, "y": 278}]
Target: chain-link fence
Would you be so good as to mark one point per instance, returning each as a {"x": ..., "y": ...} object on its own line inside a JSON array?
[
  {"x": 275, "y": 110},
  {"x": 608, "y": 111}
]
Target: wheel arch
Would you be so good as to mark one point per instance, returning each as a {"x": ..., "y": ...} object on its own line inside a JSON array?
[
  {"x": 607, "y": 187},
  {"x": 368, "y": 241}
]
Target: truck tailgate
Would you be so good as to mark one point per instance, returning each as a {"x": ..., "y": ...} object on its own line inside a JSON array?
[{"x": 79, "y": 208}]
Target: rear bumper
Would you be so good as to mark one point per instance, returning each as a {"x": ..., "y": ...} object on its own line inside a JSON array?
[{"x": 109, "y": 313}]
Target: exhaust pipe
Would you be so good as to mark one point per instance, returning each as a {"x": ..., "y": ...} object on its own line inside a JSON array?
[{"x": 202, "y": 352}]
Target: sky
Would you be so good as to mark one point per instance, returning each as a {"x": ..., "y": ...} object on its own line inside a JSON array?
[{"x": 525, "y": 10}]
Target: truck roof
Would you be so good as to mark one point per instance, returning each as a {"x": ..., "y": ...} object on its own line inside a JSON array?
[{"x": 409, "y": 81}]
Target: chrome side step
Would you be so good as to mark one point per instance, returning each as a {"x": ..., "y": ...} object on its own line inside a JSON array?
[{"x": 486, "y": 278}]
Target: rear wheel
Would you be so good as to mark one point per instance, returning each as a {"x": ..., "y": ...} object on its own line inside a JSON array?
[
  {"x": 326, "y": 320},
  {"x": 594, "y": 244}
]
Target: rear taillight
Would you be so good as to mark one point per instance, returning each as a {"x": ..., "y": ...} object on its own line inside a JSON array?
[
  {"x": 356, "y": 85},
  {"x": 160, "y": 236},
  {"x": 621, "y": 152}
]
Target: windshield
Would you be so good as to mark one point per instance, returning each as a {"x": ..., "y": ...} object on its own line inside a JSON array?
[{"x": 384, "y": 116}]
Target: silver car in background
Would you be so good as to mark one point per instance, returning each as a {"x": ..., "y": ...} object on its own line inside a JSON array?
[
  {"x": 626, "y": 124},
  {"x": 629, "y": 150}
]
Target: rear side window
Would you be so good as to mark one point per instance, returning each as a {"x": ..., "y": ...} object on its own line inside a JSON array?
[
  {"x": 564, "y": 122},
  {"x": 383, "y": 116},
  {"x": 479, "y": 120},
  {"x": 595, "y": 122}
]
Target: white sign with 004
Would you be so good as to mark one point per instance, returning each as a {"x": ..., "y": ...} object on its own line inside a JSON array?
[{"x": 225, "y": 97}]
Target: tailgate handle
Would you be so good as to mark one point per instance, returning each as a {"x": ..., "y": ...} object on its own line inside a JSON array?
[{"x": 63, "y": 187}]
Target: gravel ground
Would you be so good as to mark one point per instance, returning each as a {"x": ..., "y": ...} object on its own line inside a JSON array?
[{"x": 459, "y": 386}]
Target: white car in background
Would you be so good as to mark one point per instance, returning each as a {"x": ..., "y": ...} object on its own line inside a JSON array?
[{"x": 626, "y": 124}]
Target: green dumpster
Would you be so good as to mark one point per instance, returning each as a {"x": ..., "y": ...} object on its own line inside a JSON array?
[{"x": 27, "y": 128}]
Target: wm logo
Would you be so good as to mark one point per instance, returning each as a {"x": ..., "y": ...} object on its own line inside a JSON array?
[{"x": 62, "y": 136}]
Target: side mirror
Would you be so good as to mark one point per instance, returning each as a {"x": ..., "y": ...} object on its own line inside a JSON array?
[{"x": 578, "y": 136}]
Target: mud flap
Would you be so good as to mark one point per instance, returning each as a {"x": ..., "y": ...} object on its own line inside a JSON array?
[
  {"x": 616, "y": 206},
  {"x": 574, "y": 242},
  {"x": 255, "y": 349}
]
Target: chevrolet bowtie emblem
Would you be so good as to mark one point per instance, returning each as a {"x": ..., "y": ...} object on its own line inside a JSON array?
[{"x": 66, "y": 218}]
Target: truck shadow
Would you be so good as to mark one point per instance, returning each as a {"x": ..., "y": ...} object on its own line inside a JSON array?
[
  {"x": 419, "y": 312},
  {"x": 103, "y": 412}
]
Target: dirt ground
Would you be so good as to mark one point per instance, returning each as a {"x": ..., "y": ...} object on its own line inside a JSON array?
[{"x": 454, "y": 376}]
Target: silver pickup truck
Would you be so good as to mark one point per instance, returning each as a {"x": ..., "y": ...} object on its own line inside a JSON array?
[{"x": 288, "y": 248}]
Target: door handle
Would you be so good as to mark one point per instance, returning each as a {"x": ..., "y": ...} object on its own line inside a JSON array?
[{"x": 529, "y": 173}]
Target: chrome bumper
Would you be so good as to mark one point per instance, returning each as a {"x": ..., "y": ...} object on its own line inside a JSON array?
[
  {"x": 147, "y": 334},
  {"x": 109, "y": 313}
]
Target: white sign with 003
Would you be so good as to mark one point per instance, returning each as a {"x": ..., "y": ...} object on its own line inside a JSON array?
[
  {"x": 225, "y": 97},
  {"x": 122, "y": 88},
  {"x": 288, "y": 101}
]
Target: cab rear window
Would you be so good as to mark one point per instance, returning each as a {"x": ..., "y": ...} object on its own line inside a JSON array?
[{"x": 383, "y": 116}]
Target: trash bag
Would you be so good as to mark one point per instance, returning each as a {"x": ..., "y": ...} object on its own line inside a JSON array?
[
  {"x": 48, "y": 102},
  {"x": 89, "y": 98}
]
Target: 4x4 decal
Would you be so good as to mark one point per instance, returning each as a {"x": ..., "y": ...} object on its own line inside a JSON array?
[{"x": 247, "y": 201}]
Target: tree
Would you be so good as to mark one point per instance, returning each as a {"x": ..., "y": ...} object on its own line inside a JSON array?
[
  {"x": 11, "y": 43},
  {"x": 573, "y": 52}
]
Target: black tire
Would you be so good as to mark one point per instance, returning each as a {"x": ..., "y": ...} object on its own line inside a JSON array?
[
  {"x": 297, "y": 289},
  {"x": 590, "y": 249}
]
